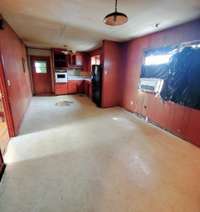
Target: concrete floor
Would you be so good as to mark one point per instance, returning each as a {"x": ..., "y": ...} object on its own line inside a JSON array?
[{"x": 81, "y": 158}]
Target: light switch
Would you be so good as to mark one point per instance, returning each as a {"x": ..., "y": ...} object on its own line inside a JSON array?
[{"x": 8, "y": 83}]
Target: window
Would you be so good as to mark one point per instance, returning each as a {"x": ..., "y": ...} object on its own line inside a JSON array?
[
  {"x": 95, "y": 60},
  {"x": 157, "y": 59},
  {"x": 174, "y": 73},
  {"x": 40, "y": 67}
]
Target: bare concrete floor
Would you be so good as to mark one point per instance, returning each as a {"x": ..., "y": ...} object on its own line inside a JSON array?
[{"x": 83, "y": 159}]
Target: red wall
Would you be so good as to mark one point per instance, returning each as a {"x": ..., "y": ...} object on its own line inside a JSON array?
[
  {"x": 12, "y": 52},
  {"x": 180, "y": 120},
  {"x": 98, "y": 51},
  {"x": 111, "y": 95}
]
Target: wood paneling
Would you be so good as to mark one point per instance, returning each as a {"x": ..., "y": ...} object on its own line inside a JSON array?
[
  {"x": 182, "y": 121},
  {"x": 19, "y": 91},
  {"x": 111, "y": 74},
  {"x": 98, "y": 51},
  {"x": 6, "y": 103}
]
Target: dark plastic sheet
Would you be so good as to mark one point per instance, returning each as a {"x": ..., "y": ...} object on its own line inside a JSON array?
[{"x": 181, "y": 76}]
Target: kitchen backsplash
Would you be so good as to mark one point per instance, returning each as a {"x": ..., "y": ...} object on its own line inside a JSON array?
[{"x": 77, "y": 72}]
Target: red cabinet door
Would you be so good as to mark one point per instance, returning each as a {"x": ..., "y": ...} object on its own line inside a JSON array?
[
  {"x": 61, "y": 88},
  {"x": 72, "y": 87},
  {"x": 80, "y": 86},
  {"x": 79, "y": 59}
]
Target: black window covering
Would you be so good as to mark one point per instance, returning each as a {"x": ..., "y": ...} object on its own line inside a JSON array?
[{"x": 181, "y": 75}]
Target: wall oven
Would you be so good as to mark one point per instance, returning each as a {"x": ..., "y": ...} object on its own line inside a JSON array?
[{"x": 61, "y": 77}]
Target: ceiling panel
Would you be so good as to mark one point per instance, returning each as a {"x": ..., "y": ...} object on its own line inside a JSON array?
[{"x": 79, "y": 23}]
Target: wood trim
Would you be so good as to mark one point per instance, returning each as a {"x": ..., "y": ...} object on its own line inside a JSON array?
[
  {"x": 29, "y": 69},
  {"x": 6, "y": 102},
  {"x": 53, "y": 82}
]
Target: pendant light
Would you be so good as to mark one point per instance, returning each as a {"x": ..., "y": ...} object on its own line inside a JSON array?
[{"x": 116, "y": 18}]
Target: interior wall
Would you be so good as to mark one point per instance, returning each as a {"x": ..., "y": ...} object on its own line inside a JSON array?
[
  {"x": 17, "y": 78},
  {"x": 180, "y": 120},
  {"x": 98, "y": 51},
  {"x": 111, "y": 90}
]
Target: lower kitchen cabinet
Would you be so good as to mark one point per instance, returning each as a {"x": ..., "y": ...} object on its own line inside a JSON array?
[
  {"x": 72, "y": 87},
  {"x": 61, "y": 88},
  {"x": 75, "y": 86},
  {"x": 80, "y": 86},
  {"x": 88, "y": 88}
]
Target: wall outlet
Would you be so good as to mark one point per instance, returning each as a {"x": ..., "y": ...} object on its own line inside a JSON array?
[{"x": 8, "y": 83}]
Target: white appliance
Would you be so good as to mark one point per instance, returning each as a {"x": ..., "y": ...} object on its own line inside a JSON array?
[
  {"x": 61, "y": 77},
  {"x": 151, "y": 85}
]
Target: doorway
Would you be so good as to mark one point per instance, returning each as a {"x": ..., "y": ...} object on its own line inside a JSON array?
[
  {"x": 6, "y": 123},
  {"x": 4, "y": 136},
  {"x": 41, "y": 75}
]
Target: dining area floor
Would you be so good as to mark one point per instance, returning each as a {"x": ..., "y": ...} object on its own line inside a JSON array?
[{"x": 73, "y": 156}]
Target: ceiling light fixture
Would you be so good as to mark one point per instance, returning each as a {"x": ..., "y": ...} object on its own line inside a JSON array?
[
  {"x": 116, "y": 18},
  {"x": 66, "y": 52}
]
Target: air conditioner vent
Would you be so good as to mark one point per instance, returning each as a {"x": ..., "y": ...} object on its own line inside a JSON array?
[{"x": 151, "y": 85}]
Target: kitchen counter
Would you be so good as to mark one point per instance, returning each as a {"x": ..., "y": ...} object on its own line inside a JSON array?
[
  {"x": 78, "y": 78},
  {"x": 74, "y": 85}
]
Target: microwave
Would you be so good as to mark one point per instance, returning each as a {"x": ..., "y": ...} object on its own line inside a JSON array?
[{"x": 61, "y": 77}]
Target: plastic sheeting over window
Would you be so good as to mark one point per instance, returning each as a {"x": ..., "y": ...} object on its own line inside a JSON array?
[{"x": 179, "y": 67}]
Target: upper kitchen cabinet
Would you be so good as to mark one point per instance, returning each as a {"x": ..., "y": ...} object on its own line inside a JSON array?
[
  {"x": 80, "y": 60},
  {"x": 61, "y": 60}
]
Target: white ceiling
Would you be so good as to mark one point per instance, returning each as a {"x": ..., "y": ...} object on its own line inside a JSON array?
[{"x": 79, "y": 23}]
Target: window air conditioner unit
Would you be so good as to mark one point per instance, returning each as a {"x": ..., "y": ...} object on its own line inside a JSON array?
[{"x": 151, "y": 85}]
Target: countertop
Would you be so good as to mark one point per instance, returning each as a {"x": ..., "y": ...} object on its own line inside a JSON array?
[{"x": 78, "y": 78}]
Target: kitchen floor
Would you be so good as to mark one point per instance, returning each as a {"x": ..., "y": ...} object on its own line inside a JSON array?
[{"x": 72, "y": 156}]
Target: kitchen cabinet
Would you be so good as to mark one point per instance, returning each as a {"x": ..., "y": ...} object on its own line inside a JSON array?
[
  {"x": 61, "y": 60},
  {"x": 80, "y": 86},
  {"x": 76, "y": 60},
  {"x": 80, "y": 60},
  {"x": 73, "y": 87},
  {"x": 88, "y": 88},
  {"x": 61, "y": 88}
]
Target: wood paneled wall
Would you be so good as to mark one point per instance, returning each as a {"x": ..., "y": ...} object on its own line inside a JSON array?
[
  {"x": 182, "y": 121},
  {"x": 111, "y": 95},
  {"x": 12, "y": 51}
]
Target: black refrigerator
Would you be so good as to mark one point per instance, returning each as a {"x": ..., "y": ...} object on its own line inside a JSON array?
[{"x": 97, "y": 84}]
